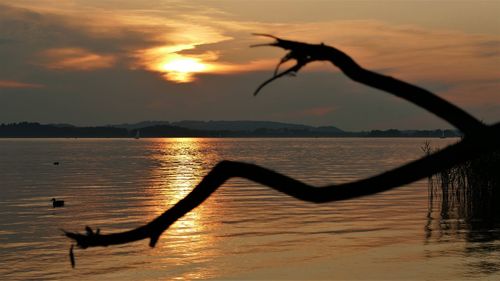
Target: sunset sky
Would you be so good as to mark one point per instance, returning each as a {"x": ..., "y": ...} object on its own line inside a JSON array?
[{"x": 97, "y": 62}]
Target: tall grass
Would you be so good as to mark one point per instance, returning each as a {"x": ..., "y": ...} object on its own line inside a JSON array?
[{"x": 469, "y": 191}]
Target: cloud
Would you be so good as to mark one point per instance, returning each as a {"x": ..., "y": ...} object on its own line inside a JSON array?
[
  {"x": 150, "y": 33},
  {"x": 317, "y": 111},
  {"x": 173, "y": 64},
  {"x": 75, "y": 59},
  {"x": 465, "y": 65},
  {"x": 11, "y": 84},
  {"x": 413, "y": 53},
  {"x": 104, "y": 48}
]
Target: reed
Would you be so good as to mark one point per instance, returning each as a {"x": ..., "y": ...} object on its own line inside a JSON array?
[{"x": 470, "y": 190}]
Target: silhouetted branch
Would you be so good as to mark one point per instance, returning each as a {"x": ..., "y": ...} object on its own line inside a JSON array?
[
  {"x": 304, "y": 53},
  {"x": 479, "y": 139},
  {"x": 416, "y": 170}
]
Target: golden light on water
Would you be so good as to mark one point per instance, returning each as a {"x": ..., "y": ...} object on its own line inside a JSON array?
[
  {"x": 179, "y": 171},
  {"x": 181, "y": 164}
]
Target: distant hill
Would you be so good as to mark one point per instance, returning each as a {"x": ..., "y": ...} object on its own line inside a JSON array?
[
  {"x": 139, "y": 125},
  {"x": 169, "y": 131},
  {"x": 244, "y": 126}
]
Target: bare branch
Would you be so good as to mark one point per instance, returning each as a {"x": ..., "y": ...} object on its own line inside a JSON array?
[
  {"x": 468, "y": 148},
  {"x": 305, "y": 53},
  {"x": 479, "y": 139},
  {"x": 291, "y": 70}
]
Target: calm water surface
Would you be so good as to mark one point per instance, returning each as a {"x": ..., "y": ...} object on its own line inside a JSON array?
[{"x": 244, "y": 231}]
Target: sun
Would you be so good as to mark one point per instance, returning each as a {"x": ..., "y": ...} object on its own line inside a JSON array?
[
  {"x": 176, "y": 66},
  {"x": 182, "y": 69},
  {"x": 184, "y": 65}
]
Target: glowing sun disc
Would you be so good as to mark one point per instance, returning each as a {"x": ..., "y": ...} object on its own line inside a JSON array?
[{"x": 183, "y": 65}]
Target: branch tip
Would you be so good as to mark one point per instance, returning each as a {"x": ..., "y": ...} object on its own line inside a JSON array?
[
  {"x": 153, "y": 240},
  {"x": 71, "y": 256},
  {"x": 266, "y": 35}
]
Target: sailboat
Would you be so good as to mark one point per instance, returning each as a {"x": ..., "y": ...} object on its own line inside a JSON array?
[
  {"x": 137, "y": 135},
  {"x": 442, "y": 135}
]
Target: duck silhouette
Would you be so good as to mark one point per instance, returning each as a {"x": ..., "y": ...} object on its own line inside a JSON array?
[{"x": 57, "y": 203}]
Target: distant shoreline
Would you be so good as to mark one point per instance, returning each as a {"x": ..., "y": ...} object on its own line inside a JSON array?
[
  {"x": 246, "y": 137},
  {"x": 211, "y": 129}
]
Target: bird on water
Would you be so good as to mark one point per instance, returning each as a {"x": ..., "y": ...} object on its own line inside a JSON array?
[{"x": 57, "y": 203}]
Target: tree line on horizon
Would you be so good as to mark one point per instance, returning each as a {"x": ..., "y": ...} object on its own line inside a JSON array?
[{"x": 37, "y": 130}]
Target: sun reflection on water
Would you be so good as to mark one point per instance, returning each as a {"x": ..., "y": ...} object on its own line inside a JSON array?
[
  {"x": 244, "y": 230},
  {"x": 181, "y": 165}
]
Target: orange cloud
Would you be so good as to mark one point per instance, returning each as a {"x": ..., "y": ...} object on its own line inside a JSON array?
[
  {"x": 317, "y": 111},
  {"x": 11, "y": 84},
  {"x": 184, "y": 40},
  {"x": 172, "y": 65},
  {"x": 175, "y": 65},
  {"x": 465, "y": 64},
  {"x": 75, "y": 59}
]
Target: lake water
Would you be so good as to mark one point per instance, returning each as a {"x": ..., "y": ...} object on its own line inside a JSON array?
[{"x": 244, "y": 231}]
